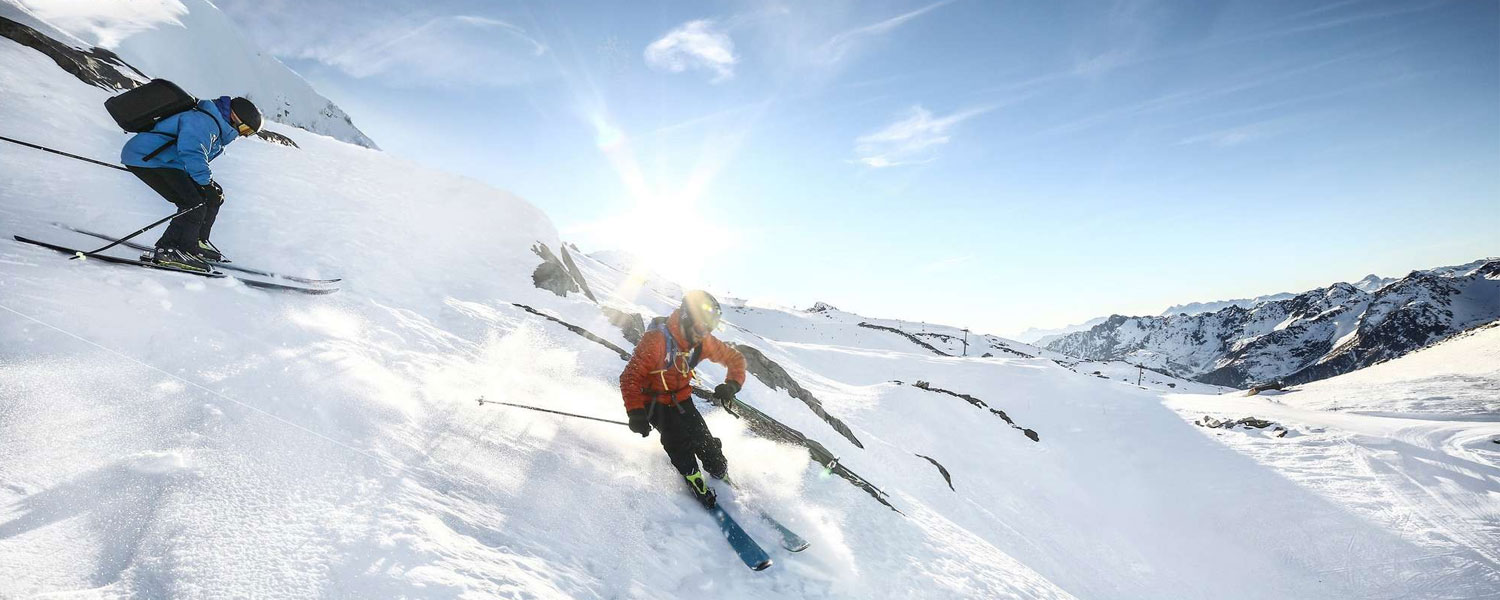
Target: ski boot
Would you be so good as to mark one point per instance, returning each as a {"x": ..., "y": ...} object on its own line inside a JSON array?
[
  {"x": 701, "y": 491},
  {"x": 177, "y": 259},
  {"x": 210, "y": 252}
]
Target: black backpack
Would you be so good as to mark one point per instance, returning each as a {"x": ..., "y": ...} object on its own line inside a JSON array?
[{"x": 139, "y": 109}]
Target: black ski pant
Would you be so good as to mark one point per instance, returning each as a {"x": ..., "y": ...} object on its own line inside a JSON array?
[
  {"x": 687, "y": 440},
  {"x": 177, "y": 187}
]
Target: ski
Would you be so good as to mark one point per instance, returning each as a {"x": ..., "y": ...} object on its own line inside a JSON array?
[
  {"x": 790, "y": 541},
  {"x": 220, "y": 264},
  {"x": 749, "y": 551},
  {"x": 255, "y": 283}
]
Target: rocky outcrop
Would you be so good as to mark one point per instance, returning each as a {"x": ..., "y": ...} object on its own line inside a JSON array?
[
  {"x": 276, "y": 138},
  {"x": 96, "y": 66},
  {"x": 631, "y": 325},
  {"x": 941, "y": 469},
  {"x": 1270, "y": 428},
  {"x": 559, "y": 275},
  {"x": 776, "y": 378},
  {"x": 576, "y": 329},
  {"x": 906, "y": 335},
  {"x": 923, "y": 385},
  {"x": 1313, "y": 335},
  {"x": 577, "y": 275},
  {"x": 552, "y": 275},
  {"x": 821, "y": 307}
]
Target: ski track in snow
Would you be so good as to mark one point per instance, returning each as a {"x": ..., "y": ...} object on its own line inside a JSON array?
[
  {"x": 168, "y": 436},
  {"x": 1430, "y": 475}
]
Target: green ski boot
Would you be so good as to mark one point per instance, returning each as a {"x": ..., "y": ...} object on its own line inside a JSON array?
[{"x": 701, "y": 491}]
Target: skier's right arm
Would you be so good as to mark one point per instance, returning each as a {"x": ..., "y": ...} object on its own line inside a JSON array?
[
  {"x": 647, "y": 358},
  {"x": 195, "y": 139}
]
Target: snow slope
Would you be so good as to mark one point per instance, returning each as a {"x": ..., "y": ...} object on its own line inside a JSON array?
[
  {"x": 1412, "y": 444},
  {"x": 163, "y": 435},
  {"x": 193, "y": 44}
]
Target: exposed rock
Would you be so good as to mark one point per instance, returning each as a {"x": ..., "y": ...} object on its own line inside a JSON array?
[
  {"x": 776, "y": 378},
  {"x": 1265, "y": 387},
  {"x": 577, "y": 275},
  {"x": 631, "y": 325},
  {"x": 97, "y": 67},
  {"x": 1276, "y": 430},
  {"x": 576, "y": 329},
  {"x": 941, "y": 469},
  {"x": 552, "y": 275},
  {"x": 818, "y": 307},
  {"x": 923, "y": 385},
  {"x": 276, "y": 138},
  {"x": 906, "y": 335}
]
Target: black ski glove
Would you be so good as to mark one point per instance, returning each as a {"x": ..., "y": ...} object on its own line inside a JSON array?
[
  {"x": 724, "y": 395},
  {"x": 212, "y": 193},
  {"x": 638, "y": 422}
]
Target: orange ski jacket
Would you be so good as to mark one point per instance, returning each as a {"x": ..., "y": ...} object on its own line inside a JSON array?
[{"x": 650, "y": 375}]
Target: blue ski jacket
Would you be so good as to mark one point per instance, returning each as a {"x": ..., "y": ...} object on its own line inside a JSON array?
[{"x": 201, "y": 136}]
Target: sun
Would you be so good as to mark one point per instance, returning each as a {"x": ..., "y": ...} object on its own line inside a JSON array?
[{"x": 663, "y": 229}]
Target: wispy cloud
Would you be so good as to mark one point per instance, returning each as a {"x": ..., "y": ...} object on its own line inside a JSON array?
[
  {"x": 694, "y": 45},
  {"x": 1233, "y": 136},
  {"x": 1178, "y": 100},
  {"x": 838, "y": 46},
  {"x": 912, "y": 139},
  {"x": 446, "y": 50}
]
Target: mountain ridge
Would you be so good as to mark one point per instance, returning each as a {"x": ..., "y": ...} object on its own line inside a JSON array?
[{"x": 1313, "y": 335}]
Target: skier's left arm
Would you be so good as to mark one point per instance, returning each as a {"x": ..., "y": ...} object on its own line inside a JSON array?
[
  {"x": 722, "y": 353},
  {"x": 196, "y": 135}
]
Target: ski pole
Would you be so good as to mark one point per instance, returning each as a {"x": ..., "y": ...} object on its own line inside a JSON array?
[
  {"x": 137, "y": 232},
  {"x": 46, "y": 149},
  {"x": 483, "y": 402}
]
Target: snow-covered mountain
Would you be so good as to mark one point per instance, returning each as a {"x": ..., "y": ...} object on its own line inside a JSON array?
[
  {"x": 170, "y": 436},
  {"x": 193, "y": 44},
  {"x": 1313, "y": 335},
  {"x": 1041, "y": 336},
  {"x": 1196, "y": 308}
]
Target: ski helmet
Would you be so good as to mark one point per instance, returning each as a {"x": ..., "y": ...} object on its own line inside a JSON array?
[
  {"x": 247, "y": 113},
  {"x": 699, "y": 309}
]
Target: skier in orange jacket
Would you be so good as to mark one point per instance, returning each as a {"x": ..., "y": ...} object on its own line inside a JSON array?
[{"x": 658, "y": 392}]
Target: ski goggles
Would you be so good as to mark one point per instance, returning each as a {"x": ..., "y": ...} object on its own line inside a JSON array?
[
  {"x": 245, "y": 130},
  {"x": 705, "y": 317}
]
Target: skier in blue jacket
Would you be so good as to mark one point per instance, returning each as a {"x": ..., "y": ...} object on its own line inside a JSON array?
[{"x": 173, "y": 159}]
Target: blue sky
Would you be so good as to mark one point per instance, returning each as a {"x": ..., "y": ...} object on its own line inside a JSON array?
[{"x": 991, "y": 164}]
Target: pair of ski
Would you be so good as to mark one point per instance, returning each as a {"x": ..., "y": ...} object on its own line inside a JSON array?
[
  {"x": 749, "y": 551},
  {"x": 313, "y": 286}
]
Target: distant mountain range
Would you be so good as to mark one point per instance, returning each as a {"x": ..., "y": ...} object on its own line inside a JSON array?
[{"x": 1298, "y": 338}]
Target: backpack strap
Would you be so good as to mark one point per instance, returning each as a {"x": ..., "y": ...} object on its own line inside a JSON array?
[
  {"x": 669, "y": 363},
  {"x": 172, "y": 139}
]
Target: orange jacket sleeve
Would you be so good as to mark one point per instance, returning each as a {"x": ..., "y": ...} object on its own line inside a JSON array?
[
  {"x": 721, "y": 353},
  {"x": 649, "y": 356}
]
